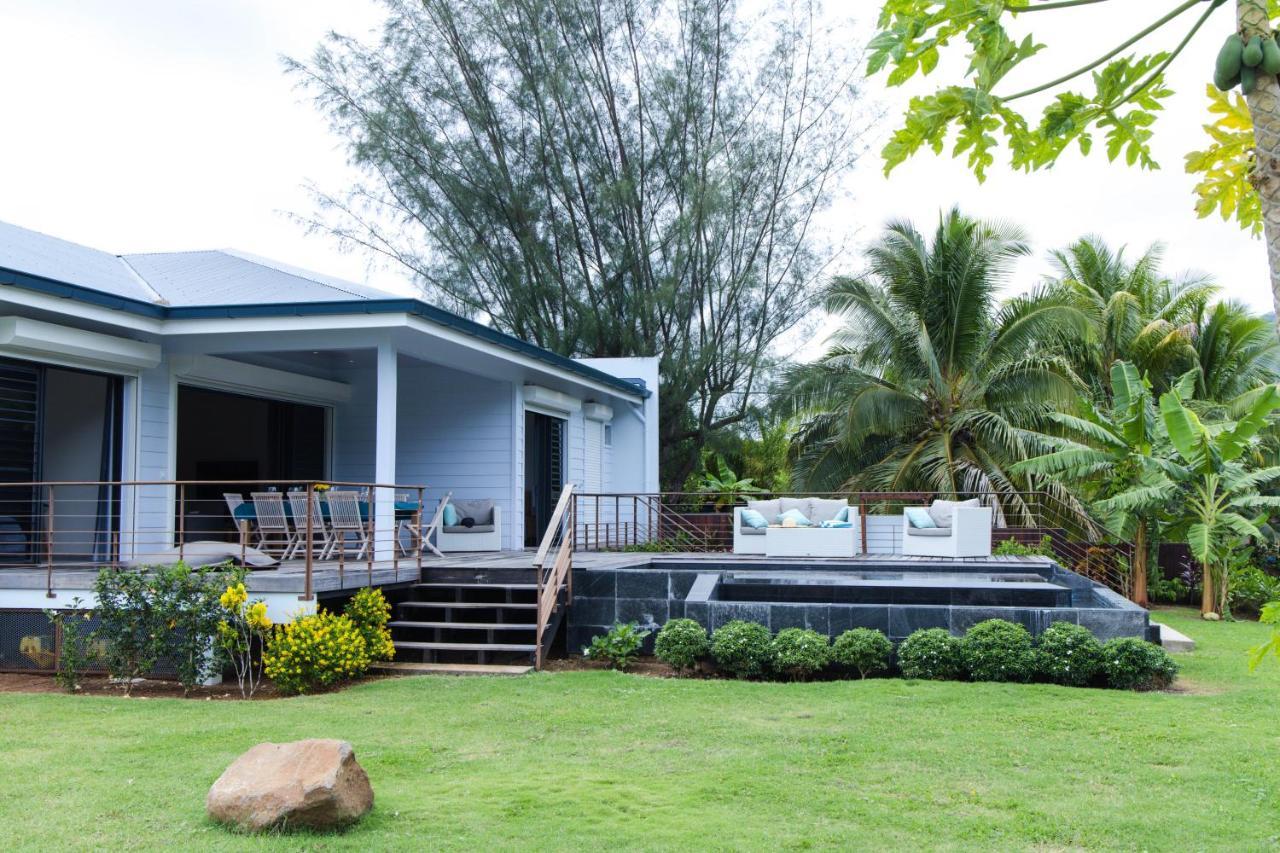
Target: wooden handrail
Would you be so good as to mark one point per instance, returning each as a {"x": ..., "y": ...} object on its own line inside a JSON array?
[{"x": 562, "y": 505}]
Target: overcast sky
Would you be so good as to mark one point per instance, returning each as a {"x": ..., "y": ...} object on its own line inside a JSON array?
[{"x": 163, "y": 125}]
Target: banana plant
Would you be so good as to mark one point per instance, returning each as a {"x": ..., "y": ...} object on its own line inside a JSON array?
[
  {"x": 1221, "y": 508},
  {"x": 723, "y": 483},
  {"x": 1118, "y": 458}
]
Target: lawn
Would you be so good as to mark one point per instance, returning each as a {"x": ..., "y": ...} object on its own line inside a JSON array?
[{"x": 598, "y": 759}]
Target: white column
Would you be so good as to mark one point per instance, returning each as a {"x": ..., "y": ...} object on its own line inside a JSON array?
[{"x": 384, "y": 468}]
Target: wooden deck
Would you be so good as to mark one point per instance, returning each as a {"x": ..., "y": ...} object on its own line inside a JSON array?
[{"x": 332, "y": 578}]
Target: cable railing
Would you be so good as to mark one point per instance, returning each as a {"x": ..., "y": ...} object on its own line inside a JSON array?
[
  {"x": 703, "y": 522},
  {"x": 296, "y": 524}
]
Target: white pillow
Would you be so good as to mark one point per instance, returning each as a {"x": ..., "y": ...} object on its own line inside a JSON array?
[{"x": 944, "y": 511}]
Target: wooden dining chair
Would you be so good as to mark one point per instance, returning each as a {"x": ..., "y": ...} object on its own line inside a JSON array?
[
  {"x": 321, "y": 535},
  {"x": 345, "y": 521},
  {"x": 273, "y": 523}
]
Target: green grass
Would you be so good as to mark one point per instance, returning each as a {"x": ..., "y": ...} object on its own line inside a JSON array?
[{"x": 597, "y": 759}]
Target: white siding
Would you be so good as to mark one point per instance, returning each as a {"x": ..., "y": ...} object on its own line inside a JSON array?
[
  {"x": 593, "y": 462},
  {"x": 153, "y": 506}
]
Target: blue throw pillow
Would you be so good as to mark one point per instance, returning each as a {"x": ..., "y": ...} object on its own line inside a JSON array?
[
  {"x": 919, "y": 517},
  {"x": 800, "y": 519},
  {"x": 753, "y": 519},
  {"x": 842, "y": 515},
  {"x": 450, "y": 516},
  {"x": 837, "y": 523}
]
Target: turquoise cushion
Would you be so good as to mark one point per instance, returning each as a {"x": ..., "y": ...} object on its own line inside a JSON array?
[
  {"x": 751, "y": 518},
  {"x": 919, "y": 517},
  {"x": 800, "y": 519},
  {"x": 451, "y": 518},
  {"x": 837, "y": 523},
  {"x": 842, "y": 515}
]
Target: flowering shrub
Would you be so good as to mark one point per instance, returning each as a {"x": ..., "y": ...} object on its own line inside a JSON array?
[
  {"x": 998, "y": 650},
  {"x": 315, "y": 651},
  {"x": 369, "y": 610},
  {"x": 1133, "y": 664},
  {"x": 77, "y": 651},
  {"x": 681, "y": 644},
  {"x": 932, "y": 654},
  {"x": 244, "y": 627},
  {"x": 798, "y": 653},
  {"x": 1069, "y": 654},
  {"x": 863, "y": 649},
  {"x": 741, "y": 648}
]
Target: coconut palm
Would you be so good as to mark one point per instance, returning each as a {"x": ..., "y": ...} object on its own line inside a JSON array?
[
  {"x": 930, "y": 380},
  {"x": 1236, "y": 352},
  {"x": 1138, "y": 313}
]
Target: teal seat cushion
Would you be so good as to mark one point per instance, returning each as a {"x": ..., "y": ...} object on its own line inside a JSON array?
[
  {"x": 753, "y": 519},
  {"x": 451, "y": 517},
  {"x": 919, "y": 517},
  {"x": 842, "y": 515},
  {"x": 796, "y": 515},
  {"x": 836, "y": 523}
]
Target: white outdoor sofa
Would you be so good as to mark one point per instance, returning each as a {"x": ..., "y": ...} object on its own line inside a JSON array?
[
  {"x": 485, "y": 534},
  {"x": 963, "y": 530},
  {"x": 774, "y": 541}
]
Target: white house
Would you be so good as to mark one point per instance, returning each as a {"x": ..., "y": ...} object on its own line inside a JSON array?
[{"x": 220, "y": 366}]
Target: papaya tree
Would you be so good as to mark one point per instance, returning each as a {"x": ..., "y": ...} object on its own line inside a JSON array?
[
  {"x": 1114, "y": 458},
  {"x": 1220, "y": 507},
  {"x": 1114, "y": 97}
]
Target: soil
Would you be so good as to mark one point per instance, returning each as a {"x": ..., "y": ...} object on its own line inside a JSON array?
[{"x": 97, "y": 685}]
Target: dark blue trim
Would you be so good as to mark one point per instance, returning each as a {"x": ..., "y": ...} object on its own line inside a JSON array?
[{"x": 412, "y": 307}]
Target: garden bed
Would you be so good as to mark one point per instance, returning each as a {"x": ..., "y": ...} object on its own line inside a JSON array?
[{"x": 151, "y": 688}]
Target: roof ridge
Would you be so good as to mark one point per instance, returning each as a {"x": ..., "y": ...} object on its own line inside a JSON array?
[{"x": 137, "y": 276}]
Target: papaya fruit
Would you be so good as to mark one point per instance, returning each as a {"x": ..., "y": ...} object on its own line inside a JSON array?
[
  {"x": 1248, "y": 80},
  {"x": 1252, "y": 55},
  {"x": 1270, "y": 56},
  {"x": 1230, "y": 61}
]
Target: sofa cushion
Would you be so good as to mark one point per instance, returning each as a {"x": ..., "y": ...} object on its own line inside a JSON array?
[
  {"x": 821, "y": 509},
  {"x": 753, "y": 531},
  {"x": 769, "y": 509},
  {"x": 943, "y": 511},
  {"x": 480, "y": 509},
  {"x": 940, "y": 532},
  {"x": 477, "y": 528},
  {"x": 919, "y": 516},
  {"x": 450, "y": 517},
  {"x": 752, "y": 519},
  {"x": 801, "y": 504},
  {"x": 795, "y": 515}
]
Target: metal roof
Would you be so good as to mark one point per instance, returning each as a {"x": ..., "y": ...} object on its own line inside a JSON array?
[{"x": 227, "y": 284}]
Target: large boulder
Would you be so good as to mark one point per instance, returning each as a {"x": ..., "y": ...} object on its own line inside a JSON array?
[{"x": 316, "y": 784}]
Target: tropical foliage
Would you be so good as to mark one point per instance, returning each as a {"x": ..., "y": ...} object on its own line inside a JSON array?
[{"x": 931, "y": 380}]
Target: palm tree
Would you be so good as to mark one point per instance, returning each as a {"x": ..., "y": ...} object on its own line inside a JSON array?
[
  {"x": 1236, "y": 352},
  {"x": 1114, "y": 458},
  {"x": 930, "y": 380},
  {"x": 1138, "y": 314}
]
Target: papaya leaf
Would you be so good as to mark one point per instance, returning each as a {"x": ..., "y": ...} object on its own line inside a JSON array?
[{"x": 1226, "y": 165}]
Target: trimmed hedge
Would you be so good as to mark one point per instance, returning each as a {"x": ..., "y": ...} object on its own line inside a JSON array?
[
  {"x": 1069, "y": 654},
  {"x": 998, "y": 650},
  {"x": 931, "y": 654},
  {"x": 1133, "y": 664},
  {"x": 799, "y": 653},
  {"x": 863, "y": 649},
  {"x": 681, "y": 644},
  {"x": 741, "y": 648}
]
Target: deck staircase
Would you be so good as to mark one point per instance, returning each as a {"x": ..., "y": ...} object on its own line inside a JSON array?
[{"x": 480, "y": 619}]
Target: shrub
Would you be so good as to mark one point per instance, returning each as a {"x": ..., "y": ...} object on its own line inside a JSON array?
[
  {"x": 76, "y": 651},
  {"x": 1249, "y": 588},
  {"x": 1069, "y": 654},
  {"x": 864, "y": 649},
  {"x": 741, "y": 649},
  {"x": 315, "y": 651},
  {"x": 1133, "y": 664},
  {"x": 1164, "y": 590},
  {"x": 619, "y": 647},
  {"x": 798, "y": 653},
  {"x": 681, "y": 644},
  {"x": 370, "y": 612},
  {"x": 243, "y": 629},
  {"x": 931, "y": 654},
  {"x": 1014, "y": 548},
  {"x": 997, "y": 650}
]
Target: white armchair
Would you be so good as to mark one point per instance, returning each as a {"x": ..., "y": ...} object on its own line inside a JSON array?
[
  {"x": 967, "y": 535},
  {"x": 485, "y": 534}
]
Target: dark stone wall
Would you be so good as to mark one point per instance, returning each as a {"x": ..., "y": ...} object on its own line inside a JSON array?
[{"x": 655, "y": 594}]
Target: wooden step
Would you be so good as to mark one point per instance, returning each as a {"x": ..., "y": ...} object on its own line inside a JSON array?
[
  {"x": 465, "y": 585},
  {"x": 489, "y": 605},
  {"x": 465, "y": 647},
  {"x": 466, "y": 626},
  {"x": 406, "y": 668}
]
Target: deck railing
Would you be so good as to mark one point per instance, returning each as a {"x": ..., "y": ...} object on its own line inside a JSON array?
[
  {"x": 90, "y": 525},
  {"x": 700, "y": 522},
  {"x": 553, "y": 567}
]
